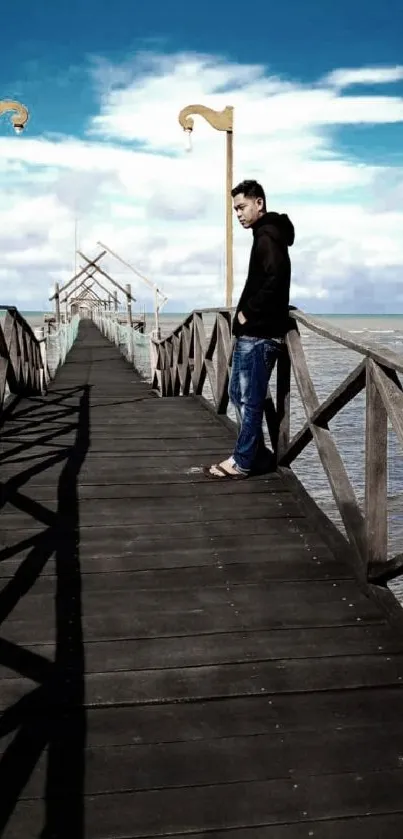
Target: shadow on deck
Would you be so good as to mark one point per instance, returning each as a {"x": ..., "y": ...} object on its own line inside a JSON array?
[{"x": 178, "y": 656}]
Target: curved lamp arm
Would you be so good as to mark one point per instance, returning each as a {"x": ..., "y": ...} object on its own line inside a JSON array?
[
  {"x": 221, "y": 120},
  {"x": 20, "y": 118}
]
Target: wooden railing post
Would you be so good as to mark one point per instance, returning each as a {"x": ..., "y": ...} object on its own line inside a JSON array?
[
  {"x": 199, "y": 369},
  {"x": 129, "y": 304},
  {"x": 283, "y": 402},
  {"x": 57, "y": 305},
  {"x": 40, "y": 336},
  {"x": 376, "y": 478},
  {"x": 129, "y": 322},
  {"x": 224, "y": 355}
]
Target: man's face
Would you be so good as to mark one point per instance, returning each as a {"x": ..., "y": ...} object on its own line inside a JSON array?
[{"x": 248, "y": 210}]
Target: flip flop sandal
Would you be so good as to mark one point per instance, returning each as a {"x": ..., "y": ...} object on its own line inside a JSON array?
[{"x": 224, "y": 476}]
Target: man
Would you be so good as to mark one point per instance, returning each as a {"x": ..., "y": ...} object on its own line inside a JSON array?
[{"x": 260, "y": 323}]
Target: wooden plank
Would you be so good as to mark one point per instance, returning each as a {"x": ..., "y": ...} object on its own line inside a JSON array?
[
  {"x": 223, "y": 648},
  {"x": 181, "y": 569},
  {"x": 125, "y": 617},
  {"x": 239, "y": 805},
  {"x": 242, "y": 600},
  {"x": 132, "y": 768},
  {"x": 266, "y": 487},
  {"x": 121, "y": 541},
  {"x": 151, "y": 431},
  {"x": 290, "y": 676},
  {"x": 113, "y": 446},
  {"x": 100, "y": 550},
  {"x": 234, "y": 717},
  {"x": 118, "y": 469},
  {"x": 146, "y": 511},
  {"x": 365, "y": 827}
]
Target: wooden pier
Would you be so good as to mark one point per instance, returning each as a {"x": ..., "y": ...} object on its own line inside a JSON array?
[{"x": 180, "y": 657}]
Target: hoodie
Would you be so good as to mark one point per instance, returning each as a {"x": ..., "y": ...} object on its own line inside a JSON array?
[{"x": 265, "y": 298}]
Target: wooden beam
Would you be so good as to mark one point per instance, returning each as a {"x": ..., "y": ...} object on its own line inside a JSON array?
[
  {"x": 208, "y": 351},
  {"x": 129, "y": 304},
  {"x": 224, "y": 356},
  {"x": 74, "y": 290},
  {"x": 101, "y": 271},
  {"x": 352, "y": 385},
  {"x": 331, "y": 459},
  {"x": 391, "y": 394},
  {"x": 382, "y": 572},
  {"x": 283, "y": 403},
  {"x": 197, "y": 354},
  {"x": 90, "y": 293},
  {"x": 376, "y": 475},
  {"x": 76, "y": 276},
  {"x": 96, "y": 280},
  {"x": 89, "y": 290}
]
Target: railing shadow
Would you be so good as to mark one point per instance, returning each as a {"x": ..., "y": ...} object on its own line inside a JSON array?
[{"x": 52, "y": 716}]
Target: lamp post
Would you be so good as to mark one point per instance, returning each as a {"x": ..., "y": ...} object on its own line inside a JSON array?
[
  {"x": 221, "y": 121},
  {"x": 20, "y": 118}
]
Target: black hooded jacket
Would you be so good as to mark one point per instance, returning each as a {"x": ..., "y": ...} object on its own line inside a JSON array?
[{"x": 265, "y": 297}]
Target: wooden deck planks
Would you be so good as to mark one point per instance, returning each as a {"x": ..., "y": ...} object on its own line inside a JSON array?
[{"x": 178, "y": 656}]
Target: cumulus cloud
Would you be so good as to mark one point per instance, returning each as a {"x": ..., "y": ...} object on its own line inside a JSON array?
[{"x": 130, "y": 183}]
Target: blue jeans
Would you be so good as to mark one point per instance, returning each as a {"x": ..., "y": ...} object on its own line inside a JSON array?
[{"x": 252, "y": 365}]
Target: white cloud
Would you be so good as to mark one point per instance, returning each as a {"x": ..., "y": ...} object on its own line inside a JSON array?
[
  {"x": 364, "y": 75},
  {"x": 132, "y": 185}
]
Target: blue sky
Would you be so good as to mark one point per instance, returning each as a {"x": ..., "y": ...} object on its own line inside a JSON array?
[{"x": 102, "y": 81}]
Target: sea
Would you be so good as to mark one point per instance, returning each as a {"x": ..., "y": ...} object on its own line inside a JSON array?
[{"x": 329, "y": 364}]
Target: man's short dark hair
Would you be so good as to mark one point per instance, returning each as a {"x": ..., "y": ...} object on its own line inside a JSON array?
[{"x": 250, "y": 189}]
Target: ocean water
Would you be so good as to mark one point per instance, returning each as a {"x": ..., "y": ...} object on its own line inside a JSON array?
[{"x": 329, "y": 364}]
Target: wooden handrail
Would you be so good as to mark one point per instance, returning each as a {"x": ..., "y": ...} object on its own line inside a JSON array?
[
  {"x": 384, "y": 356},
  {"x": 188, "y": 358},
  {"x": 21, "y": 364}
]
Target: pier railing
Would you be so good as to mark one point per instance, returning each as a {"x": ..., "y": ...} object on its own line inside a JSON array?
[
  {"x": 28, "y": 359},
  {"x": 128, "y": 338},
  {"x": 57, "y": 343},
  {"x": 196, "y": 360},
  {"x": 21, "y": 363}
]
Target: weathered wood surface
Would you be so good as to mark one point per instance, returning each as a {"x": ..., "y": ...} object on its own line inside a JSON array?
[{"x": 178, "y": 656}]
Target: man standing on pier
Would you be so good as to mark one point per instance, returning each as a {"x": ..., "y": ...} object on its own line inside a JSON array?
[{"x": 260, "y": 324}]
